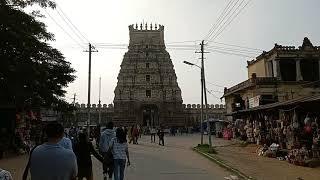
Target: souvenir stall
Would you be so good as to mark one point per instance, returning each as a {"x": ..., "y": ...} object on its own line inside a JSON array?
[
  {"x": 302, "y": 137},
  {"x": 287, "y": 131},
  {"x": 28, "y": 129}
]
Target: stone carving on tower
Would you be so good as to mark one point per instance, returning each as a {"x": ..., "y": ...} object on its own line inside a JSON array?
[{"x": 147, "y": 92}]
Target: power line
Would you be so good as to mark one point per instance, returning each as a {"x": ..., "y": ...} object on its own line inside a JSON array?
[
  {"x": 229, "y": 15},
  {"x": 231, "y": 53},
  {"x": 245, "y": 47},
  {"x": 235, "y": 50},
  {"x": 210, "y": 92},
  {"x": 183, "y": 45},
  {"x": 62, "y": 28},
  {"x": 71, "y": 25},
  {"x": 231, "y": 10},
  {"x": 217, "y": 91},
  {"x": 180, "y": 42},
  {"x": 249, "y": 52},
  {"x": 219, "y": 32},
  {"x": 214, "y": 84},
  {"x": 218, "y": 20},
  {"x": 223, "y": 50}
]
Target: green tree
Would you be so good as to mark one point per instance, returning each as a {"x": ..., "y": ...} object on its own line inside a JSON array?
[{"x": 31, "y": 71}]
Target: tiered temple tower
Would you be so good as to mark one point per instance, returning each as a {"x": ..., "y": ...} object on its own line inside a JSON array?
[{"x": 147, "y": 91}]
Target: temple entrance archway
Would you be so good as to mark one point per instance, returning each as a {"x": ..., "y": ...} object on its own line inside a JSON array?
[{"x": 150, "y": 115}]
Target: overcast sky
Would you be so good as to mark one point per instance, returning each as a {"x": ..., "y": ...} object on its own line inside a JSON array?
[{"x": 261, "y": 24}]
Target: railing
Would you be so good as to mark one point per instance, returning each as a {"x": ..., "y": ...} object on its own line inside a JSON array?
[{"x": 251, "y": 82}]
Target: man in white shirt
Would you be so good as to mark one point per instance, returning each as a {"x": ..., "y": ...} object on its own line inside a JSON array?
[{"x": 153, "y": 133}]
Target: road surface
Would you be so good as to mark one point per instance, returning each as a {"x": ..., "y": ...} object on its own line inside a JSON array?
[{"x": 174, "y": 161}]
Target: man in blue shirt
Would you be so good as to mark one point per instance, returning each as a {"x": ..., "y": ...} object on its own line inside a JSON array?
[
  {"x": 51, "y": 161},
  {"x": 66, "y": 143}
]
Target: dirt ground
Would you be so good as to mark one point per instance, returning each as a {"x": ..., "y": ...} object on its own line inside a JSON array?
[{"x": 247, "y": 161}]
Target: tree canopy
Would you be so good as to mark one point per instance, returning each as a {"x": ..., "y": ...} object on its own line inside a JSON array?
[
  {"x": 31, "y": 71},
  {"x": 25, "y": 3}
]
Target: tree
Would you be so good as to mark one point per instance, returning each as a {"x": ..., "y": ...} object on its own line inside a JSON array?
[
  {"x": 25, "y": 3},
  {"x": 31, "y": 71}
]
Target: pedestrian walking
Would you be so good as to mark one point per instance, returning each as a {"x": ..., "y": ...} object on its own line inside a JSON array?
[
  {"x": 139, "y": 131},
  {"x": 73, "y": 134},
  {"x": 135, "y": 134},
  {"x": 5, "y": 175},
  {"x": 97, "y": 135},
  {"x": 66, "y": 143},
  {"x": 83, "y": 150},
  {"x": 153, "y": 133},
  {"x": 125, "y": 130},
  {"x": 106, "y": 136},
  {"x": 130, "y": 137},
  {"x": 51, "y": 161},
  {"x": 161, "y": 136},
  {"x": 120, "y": 153}
]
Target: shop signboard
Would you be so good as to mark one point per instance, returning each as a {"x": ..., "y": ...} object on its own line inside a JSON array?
[{"x": 254, "y": 101}]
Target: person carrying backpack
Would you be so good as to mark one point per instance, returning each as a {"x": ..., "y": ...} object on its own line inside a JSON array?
[
  {"x": 119, "y": 148},
  {"x": 106, "y": 136}
]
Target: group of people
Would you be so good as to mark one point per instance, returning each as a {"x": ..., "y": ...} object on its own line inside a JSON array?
[
  {"x": 134, "y": 133},
  {"x": 159, "y": 132},
  {"x": 59, "y": 158}
]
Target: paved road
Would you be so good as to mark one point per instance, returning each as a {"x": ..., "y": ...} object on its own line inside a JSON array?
[{"x": 174, "y": 161}]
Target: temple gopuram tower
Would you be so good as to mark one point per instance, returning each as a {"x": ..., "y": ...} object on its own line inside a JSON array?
[{"x": 147, "y": 92}]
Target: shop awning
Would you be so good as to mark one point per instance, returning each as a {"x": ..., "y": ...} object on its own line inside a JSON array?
[{"x": 296, "y": 101}]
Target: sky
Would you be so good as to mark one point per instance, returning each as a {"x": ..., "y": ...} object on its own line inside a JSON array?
[{"x": 260, "y": 25}]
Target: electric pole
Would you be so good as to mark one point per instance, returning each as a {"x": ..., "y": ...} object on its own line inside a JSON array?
[
  {"x": 201, "y": 80},
  {"x": 91, "y": 49},
  {"x": 203, "y": 92},
  {"x": 99, "y": 100},
  {"x": 206, "y": 108},
  {"x": 202, "y": 56}
]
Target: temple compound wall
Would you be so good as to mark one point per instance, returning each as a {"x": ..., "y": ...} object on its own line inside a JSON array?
[{"x": 191, "y": 113}]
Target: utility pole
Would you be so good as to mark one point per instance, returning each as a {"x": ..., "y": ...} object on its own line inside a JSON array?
[
  {"x": 91, "y": 49},
  {"x": 206, "y": 108},
  {"x": 99, "y": 100},
  {"x": 203, "y": 92},
  {"x": 202, "y": 56},
  {"x": 201, "y": 80}
]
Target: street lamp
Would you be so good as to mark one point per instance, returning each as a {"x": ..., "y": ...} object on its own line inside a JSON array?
[
  {"x": 201, "y": 116},
  {"x": 189, "y": 63},
  {"x": 203, "y": 91}
]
